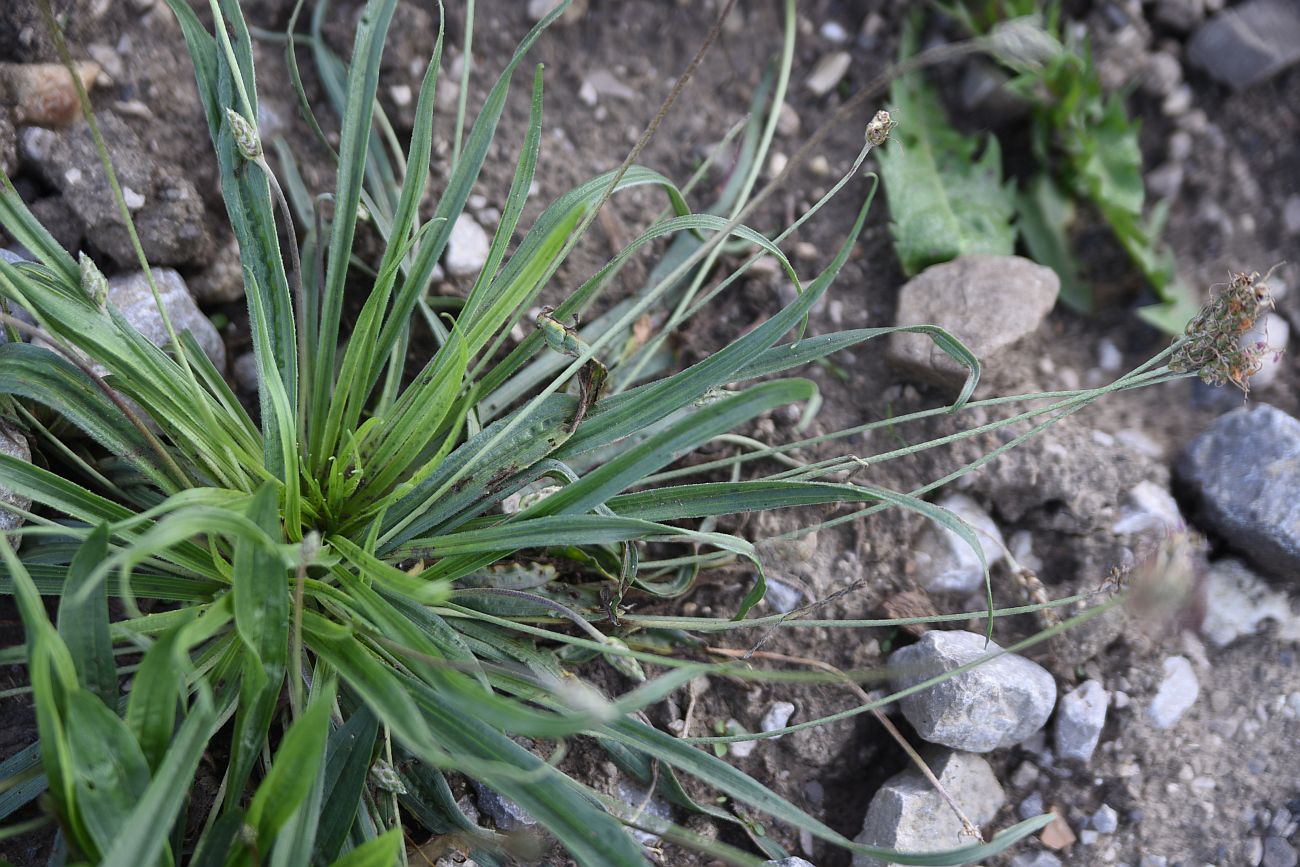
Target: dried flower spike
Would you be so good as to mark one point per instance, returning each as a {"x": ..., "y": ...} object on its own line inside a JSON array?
[
  {"x": 246, "y": 138},
  {"x": 880, "y": 127},
  {"x": 1212, "y": 346}
]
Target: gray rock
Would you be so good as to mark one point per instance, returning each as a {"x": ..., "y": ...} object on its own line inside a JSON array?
[
  {"x": 244, "y": 372},
  {"x": 467, "y": 248},
  {"x": 1237, "y": 601},
  {"x": 827, "y": 73},
  {"x": 995, "y": 704},
  {"x": 167, "y": 211},
  {"x": 1105, "y": 820},
  {"x": 792, "y": 861},
  {"x": 653, "y": 813},
  {"x": 13, "y": 445},
  {"x": 504, "y": 813},
  {"x": 1249, "y": 43},
  {"x": 1279, "y": 853},
  {"x": 907, "y": 814},
  {"x": 1080, "y": 717},
  {"x": 945, "y": 562},
  {"x": 1149, "y": 860},
  {"x": 1177, "y": 693},
  {"x": 1036, "y": 859},
  {"x": 1181, "y": 15},
  {"x": 221, "y": 282},
  {"x": 988, "y": 302},
  {"x": 131, "y": 295},
  {"x": 1291, "y": 214},
  {"x": 1031, "y": 806},
  {"x": 1244, "y": 471}
]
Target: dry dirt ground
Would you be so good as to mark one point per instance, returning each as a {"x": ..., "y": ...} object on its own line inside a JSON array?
[{"x": 1193, "y": 794}]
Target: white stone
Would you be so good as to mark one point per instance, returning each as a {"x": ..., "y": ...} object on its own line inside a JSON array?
[
  {"x": 1148, "y": 507},
  {"x": 827, "y": 73},
  {"x": 1109, "y": 358},
  {"x": 1272, "y": 333},
  {"x": 467, "y": 248},
  {"x": 834, "y": 31},
  {"x": 1080, "y": 717},
  {"x": 1237, "y": 601},
  {"x": 776, "y": 717},
  {"x": 1177, "y": 693},
  {"x": 945, "y": 562}
]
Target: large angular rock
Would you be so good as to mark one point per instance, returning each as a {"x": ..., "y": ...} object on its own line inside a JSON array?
[
  {"x": 1244, "y": 472},
  {"x": 1248, "y": 43},
  {"x": 13, "y": 445},
  {"x": 908, "y": 815},
  {"x": 165, "y": 206},
  {"x": 988, "y": 302},
  {"x": 131, "y": 295},
  {"x": 995, "y": 704}
]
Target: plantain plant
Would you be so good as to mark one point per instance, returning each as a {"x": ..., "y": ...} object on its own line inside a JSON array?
[{"x": 339, "y": 599}]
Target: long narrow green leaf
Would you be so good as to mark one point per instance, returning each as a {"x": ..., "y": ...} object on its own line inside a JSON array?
[
  {"x": 141, "y": 839},
  {"x": 108, "y": 769},
  {"x": 83, "y": 623},
  {"x": 347, "y": 765},
  {"x": 382, "y": 851},
  {"x": 354, "y": 141},
  {"x": 293, "y": 773},
  {"x": 260, "y": 588}
]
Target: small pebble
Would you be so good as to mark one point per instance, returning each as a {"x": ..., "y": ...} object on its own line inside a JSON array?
[
  {"x": 1177, "y": 693},
  {"x": 777, "y": 716},
  {"x": 827, "y": 73},
  {"x": 1106, "y": 819}
]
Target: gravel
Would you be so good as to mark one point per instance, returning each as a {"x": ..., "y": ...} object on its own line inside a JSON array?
[
  {"x": 467, "y": 248},
  {"x": 909, "y": 815},
  {"x": 776, "y": 718},
  {"x": 1237, "y": 601},
  {"x": 133, "y": 297},
  {"x": 827, "y": 73},
  {"x": 1177, "y": 693},
  {"x": 1080, "y": 717},
  {"x": 945, "y": 562},
  {"x": 1036, "y": 859},
  {"x": 1105, "y": 820},
  {"x": 996, "y": 704},
  {"x": 504, "y": 813},
  {"x": 1244, "y": 471}
]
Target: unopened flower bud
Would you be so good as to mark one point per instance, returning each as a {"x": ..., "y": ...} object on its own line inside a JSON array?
[
  {"x": 246, "y": 138},
  {"x": 93, "y": 282}
]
